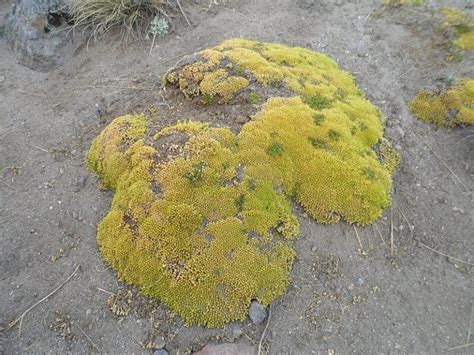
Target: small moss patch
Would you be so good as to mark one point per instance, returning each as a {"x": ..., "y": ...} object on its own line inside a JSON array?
[
  {"x": 462, "y": 24},
  {"x": 449, "y": 108}
]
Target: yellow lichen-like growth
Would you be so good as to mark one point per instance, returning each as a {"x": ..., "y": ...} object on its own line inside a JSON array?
[
  {"x": 462, "y": 25},
  {"x": 211, "y": 229},
  {"x": 220, "y": 83},
  {"x": 449, "y": 108},
  {"x": 183, "y": 127}
]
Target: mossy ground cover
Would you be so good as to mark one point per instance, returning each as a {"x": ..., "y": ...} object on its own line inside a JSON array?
[
  {"x": 462, "y": 25},
  {"x": 212, "y": 227},
  {"x": 449, "y": 108}
]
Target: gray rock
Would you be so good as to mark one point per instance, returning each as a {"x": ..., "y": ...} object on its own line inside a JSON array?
[
  {"x": 236, "y": 330},
  {"x": 160, "y": 352},
  {"x": 160, "y": 343},
  {"x": 257, "y": 313},
  {"x": 32, "y": 30}
]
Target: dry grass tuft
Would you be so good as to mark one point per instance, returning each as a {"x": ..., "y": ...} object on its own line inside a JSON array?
[{"x": 131, "y": 17}]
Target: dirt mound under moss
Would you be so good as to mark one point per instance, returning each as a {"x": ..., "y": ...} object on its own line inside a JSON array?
[{"x": 201, "y": 217}]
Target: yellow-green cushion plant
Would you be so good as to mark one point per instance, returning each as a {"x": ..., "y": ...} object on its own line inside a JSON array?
[
  {"x": 449, "y": 108},
  {"x": 211, "y": 228},
  {"x": 462, "y": 25}
]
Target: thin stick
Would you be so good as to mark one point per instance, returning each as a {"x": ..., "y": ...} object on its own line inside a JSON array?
[
  {"x": 470, "y": 325},
  {"x": 360, "y": 244},
  {"x": 115, "y": 87},
  {"x": 462, "y": 346},
  {"x": 392, "y": 242},
  {"x": 241, "y": 14},
  {"x": 406, "y": 220},
  {"x": 264, "y": 331},
  {"x": 31, "y": 93},
  {"x": 152, "y": 45},
  {"x": 181, "y": 55},
  {"x": 39, "y": 148},
  {"x": 182, "y": 12},
  {"x": 90, "y": 339},
  {"x": 20, "y": 318},
  {"x": 380, "y": 234},
  {"x": 4, "y": 183},
  {"x": 442, "y": 161},
  {"x": 105, "y": 291},
  {"x": 448, "y": 256}
]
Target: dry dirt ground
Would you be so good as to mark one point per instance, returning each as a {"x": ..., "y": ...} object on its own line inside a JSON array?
[{"x": 351, "y": 291}]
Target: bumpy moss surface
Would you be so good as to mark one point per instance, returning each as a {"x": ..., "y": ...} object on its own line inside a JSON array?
[
  {"x": 211, "y": 228},
  {"x": 449, "y": 108},
  {"x": 462, "y": 25}
]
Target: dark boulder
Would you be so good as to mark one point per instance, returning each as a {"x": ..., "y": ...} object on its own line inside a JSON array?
[{"x": 37, "y": 30}]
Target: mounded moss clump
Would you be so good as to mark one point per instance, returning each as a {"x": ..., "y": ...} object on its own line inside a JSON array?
[
  {"x": 211, "y": 228},
  {"x": 462, "y": 25},
  {"x": 449, "y": 108}
]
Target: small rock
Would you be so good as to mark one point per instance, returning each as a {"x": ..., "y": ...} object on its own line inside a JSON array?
[
  {"x": 2, "y": 79},
  {"x": 360, "y": 281},
  {"x": 160, "y": 352},
  {"x": 160, "y": 343},
  {"x": 459, "y": 210},
  {"x": 257, "y": 313},
  {"x": 237, "y": 331},
  {"x": 313, "y": 249}
]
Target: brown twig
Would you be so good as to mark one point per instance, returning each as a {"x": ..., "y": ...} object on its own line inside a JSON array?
[
  {"x": 20, "y": 318},
  {"x": 183, "y": 13},
  {"x": 408, "y": 222},
  {"x": 470, "y": 325},
  {"x": 90, "y": 339},
  {"x": 392, "y": 241},
  {"x": 442, "y": 162},
  {"x": 152, "y": 45},
  {"x": 264, "y": 331},
  {"x": 39, "y": 148},
  {"x": 380, "y": 235},
  {"x": 105, "y": 291},
  {"x": 4, "y": 183},
  {"x": 461, "y": 346},
  {"x": 181, "y": 55},
  {"x": 358, "y": 238},
  {"x": 116, "y": 87},
  {"x": 446, "y": 255}
]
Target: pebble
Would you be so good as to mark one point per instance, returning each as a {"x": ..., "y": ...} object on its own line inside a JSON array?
[
  {"x": 459, "y": 210},
  {"x": 160, "y": 343},
  {"x": 237, "y": 331},
  {"x": 360, "y": 281},
  {"x": 2, "y": 79},
  {"x": 257, "y": 313},
  {"x": 160, "y": 352}
]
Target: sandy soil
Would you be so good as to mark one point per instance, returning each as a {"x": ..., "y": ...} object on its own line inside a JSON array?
[{"x": 351, "y": 290}]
